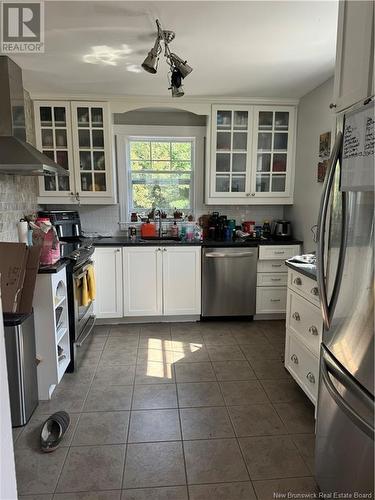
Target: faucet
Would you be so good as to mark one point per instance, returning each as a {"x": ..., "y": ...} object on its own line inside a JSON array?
[{"x": 159, "y": 212}]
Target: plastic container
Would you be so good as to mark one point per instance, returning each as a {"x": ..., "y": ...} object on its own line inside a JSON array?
[{"x": 45, "y": 235}]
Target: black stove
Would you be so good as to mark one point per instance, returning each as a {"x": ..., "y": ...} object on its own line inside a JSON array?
[{"x": 77, "y": 250}]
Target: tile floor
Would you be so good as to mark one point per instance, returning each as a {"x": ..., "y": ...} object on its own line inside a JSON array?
[{"x": 199, "y": 411}]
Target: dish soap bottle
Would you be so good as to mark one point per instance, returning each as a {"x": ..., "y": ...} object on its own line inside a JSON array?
[{"x": 174, "y": 230}]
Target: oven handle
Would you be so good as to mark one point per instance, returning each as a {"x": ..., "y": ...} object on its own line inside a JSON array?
[
  {"x": 84, "y": 270},
  {"x": 87, "y": 332}
]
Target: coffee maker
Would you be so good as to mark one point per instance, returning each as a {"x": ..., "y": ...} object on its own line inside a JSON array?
[{"x": 282, "y": 229}]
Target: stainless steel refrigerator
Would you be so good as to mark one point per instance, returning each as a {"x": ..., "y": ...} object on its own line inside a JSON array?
[{"x": 344, "y": 453}]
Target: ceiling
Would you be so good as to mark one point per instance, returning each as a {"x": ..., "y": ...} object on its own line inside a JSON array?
[{"x": 237, "y": 49}]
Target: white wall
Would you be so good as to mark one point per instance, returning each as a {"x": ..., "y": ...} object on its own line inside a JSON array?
[
  {"x": 314, "y": 118},
  {"x": 8, "y": 488}
]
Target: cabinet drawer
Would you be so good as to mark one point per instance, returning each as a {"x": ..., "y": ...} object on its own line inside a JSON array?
[
  {"x": 271, "y": 300},
  {"x": 272, "y": 266},
  {"x": 280, "y": 252},
  {"x": 303, "y": 366},
  {"x": 271, "y": 279},
  {"x": 304, "y": 286},
  {"x": 304, "y": 319}
]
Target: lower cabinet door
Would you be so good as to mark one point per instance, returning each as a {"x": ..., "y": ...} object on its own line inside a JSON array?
[
  {"x": 143, "y": 281},
  {"x": 271, "y": 300},
  {"x": 108, "y": 271},
  {"x": 182, "y": 280}
]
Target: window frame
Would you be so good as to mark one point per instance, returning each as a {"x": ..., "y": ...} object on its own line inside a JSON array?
[{"x": 156, "y": 138}]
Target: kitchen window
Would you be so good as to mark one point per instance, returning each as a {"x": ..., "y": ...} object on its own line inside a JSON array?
[{"x": 160, "y": 174}]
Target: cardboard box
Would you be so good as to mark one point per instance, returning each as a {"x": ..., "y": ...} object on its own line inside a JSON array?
[{"x": 19, "y": 266}]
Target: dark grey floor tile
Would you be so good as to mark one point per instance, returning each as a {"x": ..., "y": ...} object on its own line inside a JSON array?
[
  {"x": 233, "y": 370},
  {"x": 167, "y": 493},
  {"x": 263, "y": 351},
  {"x": 205, "y": 423},
  {"x": 218, "y": 338},
  {"x": 298, "y": 417},
  {"x": 283, "y": 391},
  {"x": 119, "y": 356},
  {"x": 270, "y": 457},
  {"x": 195, "y": 372},
  {"x": 162, "y": 330},
  {"x": 243, "y": 392},
  {"x": 125, "y": 331},
  {"x": 189, "y": 353},
  {"x": 199, "y": 394},
  {"x": 154, "y": 464},
  {"x": 35, "y": 497},
  {"x": 306, "y": 446},
  {"x": 101, "y": 330},
  {"x": 256, "y": 420},
  {"x": 101, "y": 428},
  {"x": 214, "y": 460},
  {"x": 268, "y": 369},
  {"x": 154, "y": 373},
  {"x": 224, "y": 491},
  {"x": 154, "y": 425},
  {"x": 70, "y": 399},
  {"x": 38, "y": 472},
  {"x": 92, "y": 468},
  {"x": 109, "y": 375},
  {"x": 16, "y": 431},
  {"x": 286, "y": 488},
  {"x": 105, "y": 398},
  {"x": 225, "y": 353},
  {"x": 89, "y": 495},
  {"x": 30, "y": 435},
  {"x": 154, "y": 396}
]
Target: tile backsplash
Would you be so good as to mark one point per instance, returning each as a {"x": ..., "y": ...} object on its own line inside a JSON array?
[{"x": 18, "y": 196}]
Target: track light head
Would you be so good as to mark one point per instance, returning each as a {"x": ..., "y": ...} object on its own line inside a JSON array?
[{"x": 181, "y": 65}]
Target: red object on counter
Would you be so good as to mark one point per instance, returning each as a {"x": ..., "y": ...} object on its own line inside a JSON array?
[
  {"x": 148, "y": 229},
  {"x": 248, "y": 226}
]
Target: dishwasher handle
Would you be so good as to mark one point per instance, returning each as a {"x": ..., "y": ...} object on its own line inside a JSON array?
[{"x": 217, "y": 255}]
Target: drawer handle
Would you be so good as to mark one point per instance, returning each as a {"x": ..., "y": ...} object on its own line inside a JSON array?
[
  {"x": 310, "y": 377},
  {"x": 315, "y": 291},
  {"x": 296, "y": 316},
  {"x": 294, "y": 359},
  {"x": 313, "y": 330},
  {"x": 275, "y": 279},
  {"x": 275, "y": 265},
  {"x": 275, "y": 300},
  {"x": 281, "y": 252},
  {"x": 297, "y": 281}
]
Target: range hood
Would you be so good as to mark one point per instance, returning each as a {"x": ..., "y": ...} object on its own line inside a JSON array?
[{"x": 17, "y": 156}]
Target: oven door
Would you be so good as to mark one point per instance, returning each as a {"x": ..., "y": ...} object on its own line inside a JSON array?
[{"x": 84, "y": 318}]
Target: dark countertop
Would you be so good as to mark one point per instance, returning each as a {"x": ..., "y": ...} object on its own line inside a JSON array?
[
  {"x": 123, "y": 241},
  {"x": 54, "y": 268},
  {"x": 308, "y": 270}
]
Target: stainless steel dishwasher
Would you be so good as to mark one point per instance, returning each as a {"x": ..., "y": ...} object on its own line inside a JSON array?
[{"x": 229, "y": 281}]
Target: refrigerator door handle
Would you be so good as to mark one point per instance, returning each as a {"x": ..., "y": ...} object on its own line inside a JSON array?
[
  {"x": 328, "y": 307},
  {"x": 329, "y": 366}
]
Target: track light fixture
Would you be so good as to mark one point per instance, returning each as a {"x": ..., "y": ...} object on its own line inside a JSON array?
[{"x": 179, "y": 68}]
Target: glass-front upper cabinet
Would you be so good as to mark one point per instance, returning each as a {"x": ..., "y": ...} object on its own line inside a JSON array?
[
  {"x": 273, "y": 135},
  {"x": 53, "y": 138},
  {"x": 231, "y": 138},
  {"x": 91, "y": 148}
]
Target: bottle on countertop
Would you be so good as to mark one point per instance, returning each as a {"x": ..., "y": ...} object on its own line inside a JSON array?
[
  {"x": 266, "y": 229},
  {"x": 174, "y": 230}
]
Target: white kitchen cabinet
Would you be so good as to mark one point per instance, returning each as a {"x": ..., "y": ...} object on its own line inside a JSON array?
[
  {"x": 252, "y": 155},
  {"x": 109, "y": 287},
  {"x": 181, "y": 280},
  {"x": 77, "y": 136},
  {"x": 162, "y": 281},
  {"x": 143, "y": 281},
  {"x": 354, "y": 53},
  {"x": 304, "y": 327}
]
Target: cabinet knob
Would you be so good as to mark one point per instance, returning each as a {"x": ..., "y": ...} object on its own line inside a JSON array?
[
  {"x": 296, "y": 316},
  {"x": 117, "y": 250},
  {"x": 310, "y": 377},
  {"x": 247, "y": 194},
  {"x": 313, "y": 330},
  {"x": 332, "y": 105},
  {"x": 164, "y": 249},
  {"x": 315, "y": 291},
  {"x": 252, "y": 194},
  {"x": 297, "y": 281},
  {"x": 294, "y": 359}
]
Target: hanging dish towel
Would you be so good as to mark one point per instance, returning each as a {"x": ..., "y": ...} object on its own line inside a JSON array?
[
  {"x": 85, "y": 299},
  {"x": 91, "y": 283}
]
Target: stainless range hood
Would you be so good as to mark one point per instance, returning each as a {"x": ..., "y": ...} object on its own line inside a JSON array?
[{"x": 17, "y": 156}]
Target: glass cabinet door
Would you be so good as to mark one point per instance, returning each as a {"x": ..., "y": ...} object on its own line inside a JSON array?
[
  {"x": 89, "y": 132},
  {"x": 54, "y": 140},
  {"x": 231, "y": 142},
  {"x": 272, "y": 136}
]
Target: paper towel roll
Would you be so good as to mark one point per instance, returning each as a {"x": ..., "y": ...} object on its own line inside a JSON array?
[{"x": 23, "y": 227}]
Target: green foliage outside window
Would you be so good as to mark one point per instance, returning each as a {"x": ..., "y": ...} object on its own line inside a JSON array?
[{"x": 161, "y": 174}]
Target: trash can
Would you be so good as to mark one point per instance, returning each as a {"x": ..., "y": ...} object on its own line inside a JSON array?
[{"x": 21, "y": 364}]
